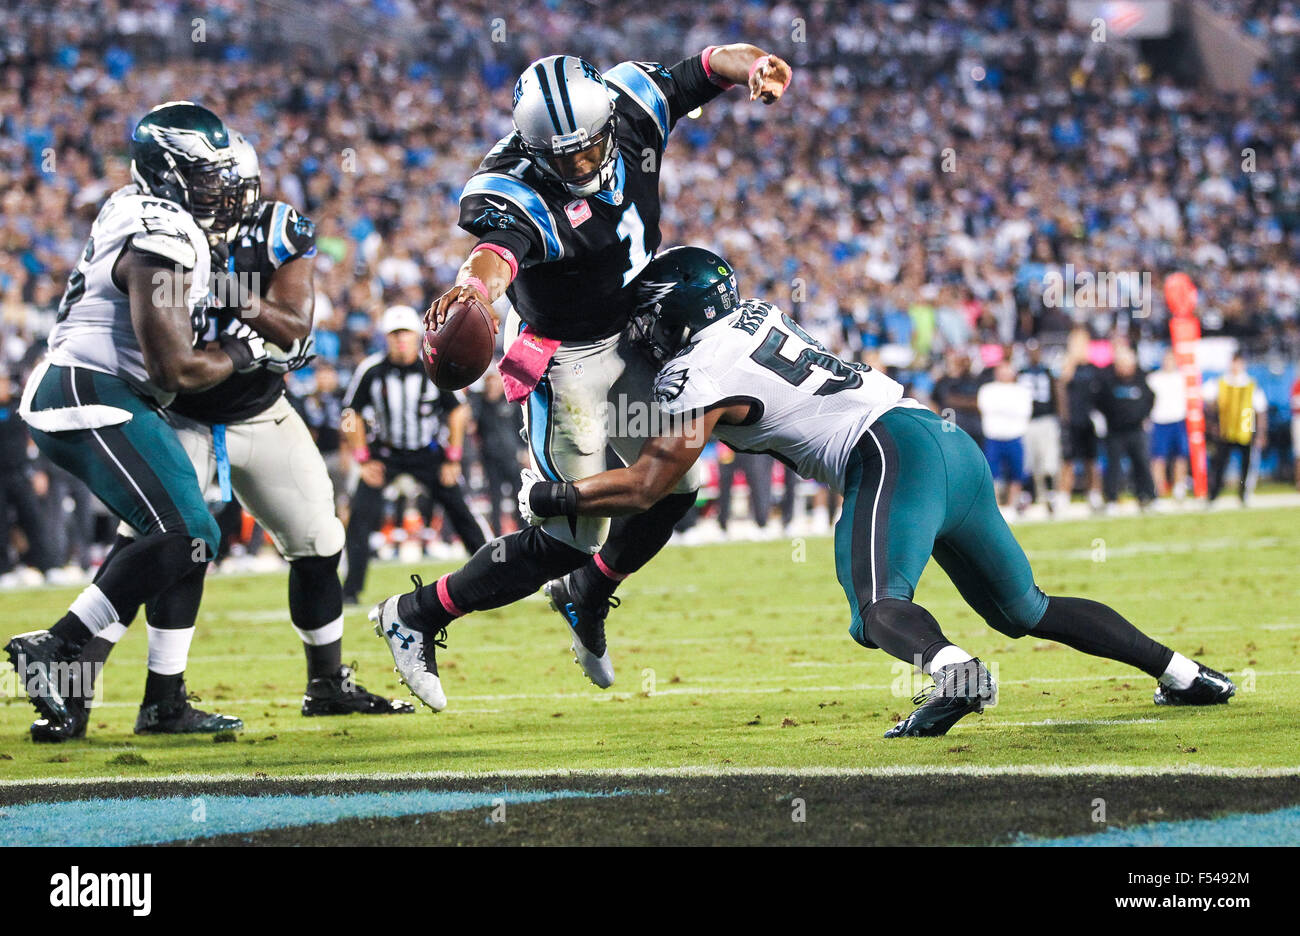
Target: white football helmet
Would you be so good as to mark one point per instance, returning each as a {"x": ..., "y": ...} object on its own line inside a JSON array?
[{"x": 564, "y": 116}]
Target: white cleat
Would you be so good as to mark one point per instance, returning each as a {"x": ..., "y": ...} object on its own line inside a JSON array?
[
  {"x": 413, "y": 653},
  {"x": 598, "y": 667}
]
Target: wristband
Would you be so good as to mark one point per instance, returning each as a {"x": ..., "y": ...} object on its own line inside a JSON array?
[
  {"x": 554, "y": 499},
  {"x": 362, "y": 454},
  {"x": 240, "y": 354},
  {"x": 453, "y": 452},
  {"x": 710, "y": 73},
  {"x": 763, "y": 60},
  {"x": 479, "y": 285}
]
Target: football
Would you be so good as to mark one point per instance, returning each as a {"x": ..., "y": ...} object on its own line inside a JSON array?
[{"x": 458, "y": 353}]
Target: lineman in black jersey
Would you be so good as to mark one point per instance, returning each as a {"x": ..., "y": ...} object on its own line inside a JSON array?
[
  {"x": 245, "y": 435},
  {"x": 566, "y": 210}
]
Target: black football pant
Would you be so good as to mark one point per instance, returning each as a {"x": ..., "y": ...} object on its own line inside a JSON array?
[
  {"x": 1133, "y": 444},
  {"x": 501, "y": 473},
  {"x": 16, "y": 492},
  {"x": 368, "y": 510},
  {"x": 1219, "y": 466},
  {"x": 758, "y": 475}
]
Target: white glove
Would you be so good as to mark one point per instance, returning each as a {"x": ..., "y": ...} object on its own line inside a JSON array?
[
  {"x": 528, "y": 477},
  {"x": 282, "y": 360}
]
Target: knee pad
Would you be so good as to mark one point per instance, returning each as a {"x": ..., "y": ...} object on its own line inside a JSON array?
[
  {"x": 587, "y": 533},
  {"x": 315, "y": 594},
  {"x": 322, "y": 538}
]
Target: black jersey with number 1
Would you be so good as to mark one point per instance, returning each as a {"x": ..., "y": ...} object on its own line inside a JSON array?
[{"x": 578, "y": 256}]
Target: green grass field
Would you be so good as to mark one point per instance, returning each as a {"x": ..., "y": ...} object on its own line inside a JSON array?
[{"x": 736, "y": 656}]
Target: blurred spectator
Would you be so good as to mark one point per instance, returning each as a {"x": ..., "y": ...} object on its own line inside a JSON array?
[
  {"x": 1125, "y": 400},
  {"x": 1169, "y": 451},
  {"x": 1240, "y": 416},
  {"x": 1043, "y": 438},
  {"x": 16, "y": 490},
  {"x": 1005, "y": 408},
  {"x": 497, "y": 424},
  {"x": 757, "y": 470}
]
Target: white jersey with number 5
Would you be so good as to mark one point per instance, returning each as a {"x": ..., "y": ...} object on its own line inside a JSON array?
[
  {"x": 809, "y": 408},
  {"x": 94, "y": 327}
]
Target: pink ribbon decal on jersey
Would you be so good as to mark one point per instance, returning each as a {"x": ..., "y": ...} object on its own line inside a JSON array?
[{"x": 525, "y": 363}]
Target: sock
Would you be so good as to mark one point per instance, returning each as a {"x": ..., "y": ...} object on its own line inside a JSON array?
[
  {"x": 503, "y": 571},
  {"x": 1094, "y": 628},
  {"x": 143, "y": 568},
  {"x": 594, "y": 582},
  {"x": 946, "y": 656},
  {"x": 169, "y": 648},
  {"x": 162, "y": 687},
  {"x": 1180, "y": 673},
  {"x": 906, "y": 631},
  {"x": 316, "y": 609},
  {"x": 324, "y": 660},
  {"x": 632, "y": 542}
]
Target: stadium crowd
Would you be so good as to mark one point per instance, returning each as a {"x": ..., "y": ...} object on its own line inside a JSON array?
[{"x": 944, "y": 161}]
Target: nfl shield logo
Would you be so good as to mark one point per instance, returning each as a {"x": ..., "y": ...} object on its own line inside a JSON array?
[{"x": 578, "y": 211}]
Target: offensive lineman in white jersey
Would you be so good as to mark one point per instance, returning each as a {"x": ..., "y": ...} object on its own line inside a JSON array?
[
  {"x": 122, "y": 349},
  {"x": 913, "y": 485}
]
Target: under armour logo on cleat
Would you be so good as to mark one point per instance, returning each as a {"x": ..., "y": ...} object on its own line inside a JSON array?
[
  {"x": 571, "y": 614},
  {"x": 406, "y": 639}
]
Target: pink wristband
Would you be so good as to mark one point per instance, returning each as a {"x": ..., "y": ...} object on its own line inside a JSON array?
[
  {"x": 710, "y": 73},
  {"x": 361, "y": 453},
  {"x": 763, "y": 60},
  {"x": 503, "y": 253},
  {"x": 454, "y": 452},
  {"x": 479, "y": 285}
]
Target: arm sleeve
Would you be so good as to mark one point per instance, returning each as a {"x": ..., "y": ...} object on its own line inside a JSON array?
[
  {"x": 665, "y": 94},
  {"x": 164, "y": 233},
  {"x": 501, "y": 210},
  {"x": 681, "y": 389},
  {"x": 288, "y": 235}
]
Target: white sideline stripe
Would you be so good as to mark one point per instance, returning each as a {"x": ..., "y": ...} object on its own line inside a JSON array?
[
  {"x": 578, "y": 696},
  {"x": 1068, "y": 721},
  {"x": 923, "y": 770}
]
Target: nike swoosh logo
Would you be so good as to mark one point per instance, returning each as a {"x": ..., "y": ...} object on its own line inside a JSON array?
[{"x": 500, "y": 207}]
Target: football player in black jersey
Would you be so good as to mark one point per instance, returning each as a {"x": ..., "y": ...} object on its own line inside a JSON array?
[
  {"x": 566, "y": 211},
  {"x": 244, "y": 433}
]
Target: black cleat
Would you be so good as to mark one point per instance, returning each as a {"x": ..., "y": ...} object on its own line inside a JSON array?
[
  {"x": 587, "y": 626},
  {"x": 177, "y": 716},
  {"x": 1209, "y": 688},
  {"x": 340, "y": 694},
  {"x": 959, "y": 689},
  {"x": 45, "y": 666}
]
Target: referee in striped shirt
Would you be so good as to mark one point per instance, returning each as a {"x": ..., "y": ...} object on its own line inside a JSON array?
[{"x": 395, "y": 422}]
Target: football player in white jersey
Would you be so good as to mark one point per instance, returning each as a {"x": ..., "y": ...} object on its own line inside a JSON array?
[
  {"x": 244, "y": 434},
  {"x": 914, "y": 487},
  {"x": 123, "y": 347}
]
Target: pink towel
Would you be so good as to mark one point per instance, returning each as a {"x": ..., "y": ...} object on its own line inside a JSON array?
[{"x": 525, "y": 363}]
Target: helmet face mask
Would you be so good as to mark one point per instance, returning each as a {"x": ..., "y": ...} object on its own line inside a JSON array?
[
  {"x": 250, "y": 175},
  {"x": 582, "y": 171},
  {"x": 181, "y": 152},
  {"x": 681, "y": 292}
]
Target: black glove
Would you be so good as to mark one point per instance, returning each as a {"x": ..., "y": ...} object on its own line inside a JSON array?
[{"x": 246, "y": 347}]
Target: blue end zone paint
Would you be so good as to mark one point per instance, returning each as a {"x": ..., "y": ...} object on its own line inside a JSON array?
[
  {"x": 147, "y": 821},
  {"x": 1274, "y": 828}
]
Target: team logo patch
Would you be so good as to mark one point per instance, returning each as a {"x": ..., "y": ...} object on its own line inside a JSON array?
[
  {"x": 578, "y": 211},
  {"x": 670, "y": 385}
]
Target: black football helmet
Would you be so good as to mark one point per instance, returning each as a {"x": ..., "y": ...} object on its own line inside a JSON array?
[
  {"x": 680, "y": 292},
  {"x": 182, "y": 152}
]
